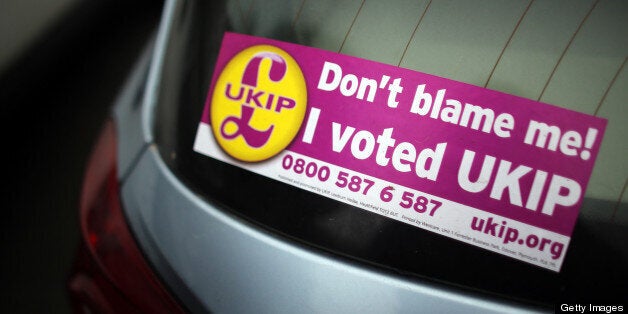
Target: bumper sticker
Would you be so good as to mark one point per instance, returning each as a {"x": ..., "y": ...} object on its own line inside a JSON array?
[{"x": 497, "y": 171}]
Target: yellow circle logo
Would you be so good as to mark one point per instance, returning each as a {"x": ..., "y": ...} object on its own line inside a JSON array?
[{"x": 258, "y": 103}]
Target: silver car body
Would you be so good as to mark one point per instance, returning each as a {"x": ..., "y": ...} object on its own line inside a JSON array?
[{"x": 216, "y": 261}]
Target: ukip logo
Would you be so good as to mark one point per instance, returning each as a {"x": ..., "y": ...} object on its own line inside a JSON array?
[{"x": 258, "y": 104}]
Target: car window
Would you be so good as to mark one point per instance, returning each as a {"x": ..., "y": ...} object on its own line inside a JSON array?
[{"x": 570, "y": 54}]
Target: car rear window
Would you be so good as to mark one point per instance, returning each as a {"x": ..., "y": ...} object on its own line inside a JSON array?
[{"x": 571, "y": 55}]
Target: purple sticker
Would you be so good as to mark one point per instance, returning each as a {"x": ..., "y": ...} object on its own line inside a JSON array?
[{"x": 494, "y": 170}]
